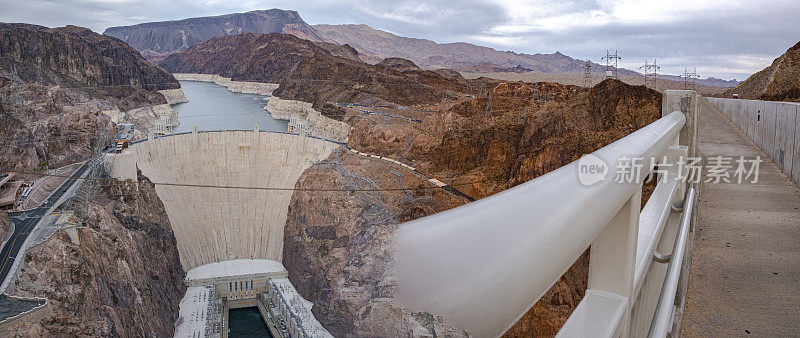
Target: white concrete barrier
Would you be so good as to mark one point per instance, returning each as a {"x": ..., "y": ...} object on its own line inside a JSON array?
[{"x": 772, "y": 126}]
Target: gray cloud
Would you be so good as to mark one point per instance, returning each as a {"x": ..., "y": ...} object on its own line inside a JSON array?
[{"x": 724, "y": 41}]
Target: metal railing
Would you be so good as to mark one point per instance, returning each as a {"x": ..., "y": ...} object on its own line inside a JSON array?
[{"x": 483, "y": 265}]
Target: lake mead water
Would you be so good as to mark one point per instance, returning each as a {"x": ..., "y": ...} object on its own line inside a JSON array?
[{"x": 213, "y": 107}]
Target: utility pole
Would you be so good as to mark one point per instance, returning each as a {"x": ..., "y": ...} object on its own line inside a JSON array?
[
  {"x": 689, "y": 79},
  {"x": 587, "y": 74},
  {"x": 650, "y": 72},
  {"x": 612, "y": 64}
]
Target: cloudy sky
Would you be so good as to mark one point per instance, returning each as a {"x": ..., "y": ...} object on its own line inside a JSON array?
[{"x": 726, "y": 39}]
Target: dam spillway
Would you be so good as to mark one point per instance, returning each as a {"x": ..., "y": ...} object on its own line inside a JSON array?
[{"x": 194, "y": 174}]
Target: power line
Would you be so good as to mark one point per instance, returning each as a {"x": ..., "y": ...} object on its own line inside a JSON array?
[
  {"x": 689, "y": 79},
  {"x": 612, "y": 71},
  {"x": 587, "y": 74},
  {"x": 650, "y": 72}
]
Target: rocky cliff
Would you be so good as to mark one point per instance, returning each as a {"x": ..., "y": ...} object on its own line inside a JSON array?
[
  {"x": 526, "y": 131},
  {"x": 56, "y": 83},
  {"x": 124, "y": 279},
  {"x": 337, "y": 245},
  {"x": 778, "y": 82},
  {"x": 156, "y": 40}
]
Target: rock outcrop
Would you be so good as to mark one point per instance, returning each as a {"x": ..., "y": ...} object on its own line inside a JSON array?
[
  {"x": 318, "y": 125},
  {"x": 338, "y": 244},
  {"x": 156, "y": 40},
  {"x": 124, "y": 279},
  {"x": 55, "y": 84},
  {"x": 778, "y": 82},
  {"x": 398, "y": 64}
]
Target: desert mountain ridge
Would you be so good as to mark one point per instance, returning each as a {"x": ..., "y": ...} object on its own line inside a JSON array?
[{"x": 156, "y": 40}]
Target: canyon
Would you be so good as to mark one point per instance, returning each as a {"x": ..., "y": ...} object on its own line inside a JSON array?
[{"x": 479, "y": 136}]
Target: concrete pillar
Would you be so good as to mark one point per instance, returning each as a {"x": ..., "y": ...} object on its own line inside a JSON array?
[{"x": 685, "y": 101}]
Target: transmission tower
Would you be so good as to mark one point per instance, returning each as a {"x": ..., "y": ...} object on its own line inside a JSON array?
[
  {"x": 650, "y": 72},
  {"x": 587, "y": 74},
  {"x": 689, "y": 79},
  {"x": 612, "y": 64}
]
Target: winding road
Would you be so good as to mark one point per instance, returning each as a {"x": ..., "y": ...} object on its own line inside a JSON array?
[{"x": 25, "y": 222}]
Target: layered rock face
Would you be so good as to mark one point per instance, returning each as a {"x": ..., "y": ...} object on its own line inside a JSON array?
[
  {"x": 54, "y": 86},
  {"x": 778, "y": 82},
  {"x": 124, "y": 279},
  {"x": 338, "y": 244},
  {"x": 156, "y": 40}
]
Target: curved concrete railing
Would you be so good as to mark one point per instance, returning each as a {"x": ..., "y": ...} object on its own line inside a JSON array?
[{"x": 484, "y": 264}]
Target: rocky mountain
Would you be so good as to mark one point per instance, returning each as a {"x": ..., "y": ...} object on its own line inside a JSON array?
[
  {"x": 124, "y": 279},
  {"x": 309, "y": 72},
  {"x": 375, "y": 45},
  {"x": 54, "y": 85},
  {"x": 778, "y": 82},
  {"x": 156, "y": 40}
]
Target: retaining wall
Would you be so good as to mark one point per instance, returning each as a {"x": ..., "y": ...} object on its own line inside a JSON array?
[
  {"x": 773, "y": 126},
  {"x": 213, "y": 224}
]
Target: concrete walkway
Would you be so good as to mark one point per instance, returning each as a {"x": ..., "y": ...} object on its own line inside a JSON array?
[{"x": 745, "y": 272}]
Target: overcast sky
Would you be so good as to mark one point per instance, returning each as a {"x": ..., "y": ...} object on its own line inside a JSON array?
[{"x": 726, "y": 39}]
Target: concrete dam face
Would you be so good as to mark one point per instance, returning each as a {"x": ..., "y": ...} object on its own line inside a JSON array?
[{"x": 213, "y": 224}]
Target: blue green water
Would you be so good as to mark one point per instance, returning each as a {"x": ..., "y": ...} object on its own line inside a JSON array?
[
  {"x": 213, "y": 107},
  {"x": 247, "y": 322}
]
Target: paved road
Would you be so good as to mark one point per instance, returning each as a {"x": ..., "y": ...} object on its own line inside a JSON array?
[
  {"x": 745, "y": 270},
  {"x": 25, "y": 222}
]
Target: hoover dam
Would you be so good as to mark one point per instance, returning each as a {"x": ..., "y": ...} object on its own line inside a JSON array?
[
  {"x": 226, "y": 194},
  {"x": 200, "y": 177}
]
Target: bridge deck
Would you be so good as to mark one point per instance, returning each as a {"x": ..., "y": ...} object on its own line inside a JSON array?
[{"x": 745, "y": 273}]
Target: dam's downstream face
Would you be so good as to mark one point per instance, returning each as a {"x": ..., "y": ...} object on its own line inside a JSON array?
[
  {"x": 214, "y": 107},
  {"x": 211, "y": 223}
]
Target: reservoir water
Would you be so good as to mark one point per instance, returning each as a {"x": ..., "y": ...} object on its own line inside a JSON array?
[{"x": 213, "y": 107}]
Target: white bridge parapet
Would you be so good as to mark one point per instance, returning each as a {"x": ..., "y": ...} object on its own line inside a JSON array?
[{"x": 485, "y": 264}]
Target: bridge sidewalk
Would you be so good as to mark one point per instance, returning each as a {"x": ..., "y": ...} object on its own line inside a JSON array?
[{"x": 745, "y": 273}]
